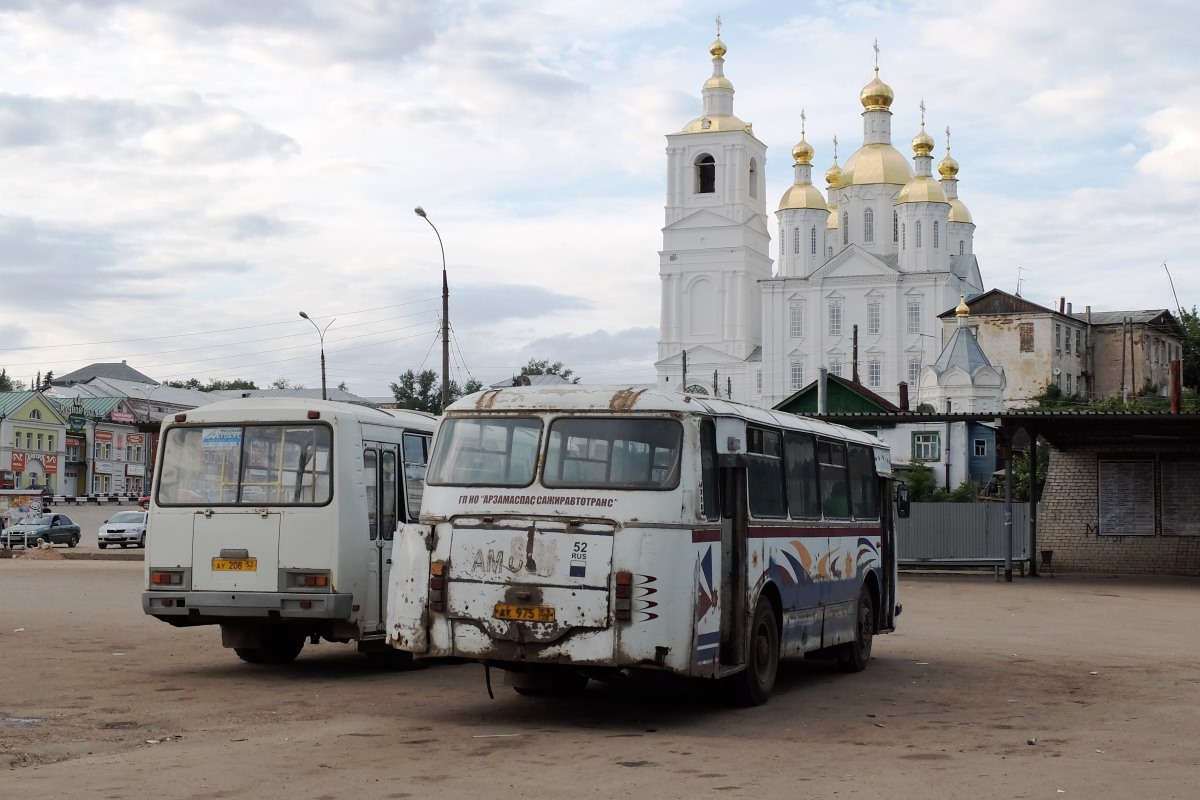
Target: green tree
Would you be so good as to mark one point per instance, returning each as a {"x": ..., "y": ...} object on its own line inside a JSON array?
[
  {"x": 921, "y": 484},
  {"x": 422, "y": 391},
  {"x": 7, "y": 384},
  {"x": 1191, "y": 348},
  {"x": 542, "y": 366},
  {"x": 213, "y": 385}
]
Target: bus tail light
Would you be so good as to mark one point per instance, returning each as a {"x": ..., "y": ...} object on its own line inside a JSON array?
[
  {"x": 624, "y": 595},
  {"x": 308, "y": 580},
  {"x": 437, "y": 586},
  {"x": 166, "y": 577}
]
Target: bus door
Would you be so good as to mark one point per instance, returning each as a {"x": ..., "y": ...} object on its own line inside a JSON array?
[
  {"x": 735, "y": 530},
  {"x": 380, "y": 476}
]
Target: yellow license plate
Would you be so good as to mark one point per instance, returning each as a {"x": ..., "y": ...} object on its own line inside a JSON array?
[
  {"x": 524, "y": 613},
  {"x": 235, "y": 564}
]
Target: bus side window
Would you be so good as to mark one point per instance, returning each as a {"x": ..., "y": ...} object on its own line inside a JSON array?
[
  {"x": 864, "y": 485},
  {"x": 416, "y": 449},
  {"x": 800, "y": 459},
  {"x": 388, "y": 492},
  {"x": 371, "y": 479},
  {"x": 710, "y": 491},
  {"x": 835, "y": 491},
  {"x": 766, "y": 474}
]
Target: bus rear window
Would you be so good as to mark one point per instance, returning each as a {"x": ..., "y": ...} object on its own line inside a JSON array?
[
  {"x": 248, "y": 465},
  {"x": 491, "y": 451},
  {"x": 608, "y": 453}
]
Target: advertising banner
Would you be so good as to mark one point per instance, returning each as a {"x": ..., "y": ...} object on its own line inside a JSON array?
[
  {"x": 18, "y": 461},
  {"x": 50, "y": 463},
  {"x": 104, "y": 436}
]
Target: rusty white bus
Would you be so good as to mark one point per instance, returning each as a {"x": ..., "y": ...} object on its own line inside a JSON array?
[
  {"x": 571, "y": 533},
  {"x": 274, "y": 518}
]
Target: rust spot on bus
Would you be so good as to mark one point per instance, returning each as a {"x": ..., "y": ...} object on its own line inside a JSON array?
[
  {"x": 486, "y": 400},
  {"x": 625, "y": 399}
]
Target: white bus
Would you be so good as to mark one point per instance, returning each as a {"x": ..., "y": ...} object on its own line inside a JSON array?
[
  {"x": 274, "y": 518},
  {"x": 580, "y": 532}
]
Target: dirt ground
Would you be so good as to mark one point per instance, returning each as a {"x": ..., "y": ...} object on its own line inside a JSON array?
[{"x": 1080, "y": 687}]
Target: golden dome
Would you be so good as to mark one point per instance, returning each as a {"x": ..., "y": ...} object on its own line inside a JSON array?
[
  {"x": 947, "y": 167},
  {"x": 803, "y": 195},
  {"x": 833, "y": 174},
  {"x": 876, "y": 95},
  {"x": 958, "y": 212},
  {"x": 831, "y": 224},
  {"x": 875, "y": 163},
  {"x": 717, "y": 82},
  {"x": 717, "y": 48},
  {"x": 802, "y": 153},
  {"x": 922, "y": 143},
  {"x": 921, "y": 189},
  {"x": 717, "y": 122},
  {"x": 963, "y": 310}
]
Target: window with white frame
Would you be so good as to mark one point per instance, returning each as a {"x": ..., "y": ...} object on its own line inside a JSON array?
[
  {"x": 797, "y": 375},
  {"x": 1069, "y": 389},
  {"x": 835, "y": 367},
  {"x": 813, "y": 240},
  {"x": 50, "y": 442},
  {"x": 874, "y": 317},
  {"x": 796, "y": 321},
  {"x": 1067, "y": 343},
  {"x": 926, "y": 446},
  {"x": 914, "y": 316},
  {"x": 835, "y": 318},
  {"x": 874, "y": 373},
  {"x": 796, "y": 241},
  {"x": 39, "y": 441},
  {"x": 918, "y": 233},
  {"x": 914, "y": 370},
  {"x": 1058, "y": 337},
  {"x": 980, "y": 447},
  {"x": 869, "y": 225}
]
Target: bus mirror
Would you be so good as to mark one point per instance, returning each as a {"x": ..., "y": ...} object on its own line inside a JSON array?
[{"x": 902, "y": 506}]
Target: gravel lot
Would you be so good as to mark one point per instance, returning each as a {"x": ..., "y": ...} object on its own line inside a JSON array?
[{"x": 1055, "y": 687}]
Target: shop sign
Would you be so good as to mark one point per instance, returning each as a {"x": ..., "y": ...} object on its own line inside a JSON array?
[
  {"x": 121, "y": 416},
  {"x": 135, "y": 469},
  {"x": 104, "y": 436},
  {"x": 76, "y": 422},
  {"x": 104, "y": 467},
  {"x": 135, "y": 438},
  {"x": 50, "y": 463},
  {"x": 18, "y": 461}
]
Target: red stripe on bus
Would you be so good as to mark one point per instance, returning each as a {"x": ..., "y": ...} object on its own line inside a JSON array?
[{"x": 707, "y": 536}]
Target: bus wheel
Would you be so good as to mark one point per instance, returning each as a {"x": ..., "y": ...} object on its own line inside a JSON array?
[
  {"x": 280, "y": 646},
  {"x": 855, "y": 655},
  {"x": 753, "y": 685},
  {"x": 251, "y": 655}
]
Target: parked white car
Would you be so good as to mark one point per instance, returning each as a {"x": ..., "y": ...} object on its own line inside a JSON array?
[{"x": 124, "y": 528}]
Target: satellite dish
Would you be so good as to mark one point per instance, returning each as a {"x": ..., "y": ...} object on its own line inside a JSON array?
[{"x": 1057, "y": 371}]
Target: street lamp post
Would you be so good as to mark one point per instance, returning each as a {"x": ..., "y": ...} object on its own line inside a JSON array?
[
  {"x": 420, "y": 212},
  {"x": 321, "y": 334}
]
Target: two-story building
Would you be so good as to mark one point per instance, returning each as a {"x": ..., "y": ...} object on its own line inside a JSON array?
[{"x": 32, "y": 440}]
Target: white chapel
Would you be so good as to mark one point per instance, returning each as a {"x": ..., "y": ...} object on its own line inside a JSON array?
[{"x": 863, "y": 270}]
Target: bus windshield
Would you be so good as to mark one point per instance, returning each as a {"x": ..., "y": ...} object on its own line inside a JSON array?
[
  {"x": 251, "y": 465},
  {"x": 609, "y": 453},
  {"x": 581, "y": 453}
]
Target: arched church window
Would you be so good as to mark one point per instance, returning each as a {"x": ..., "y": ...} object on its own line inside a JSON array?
[
  {"x": 918, "y": 242},
  {"x": 961, "y": 248},
  {"x": 706, "y": 174},
  {"x": 935, "y": 235},
  {"x": 753, "y": 178},
  {"x": 845, "y": 227},
  {"x": 903, "y": 237},
  {"x": 869, "y": 225},
  {"x": 813, "y": 240},
  {"x": 895, "y": 227},
  {"x": 696, "y": 388},
  {"x": 796, "y": 241}
]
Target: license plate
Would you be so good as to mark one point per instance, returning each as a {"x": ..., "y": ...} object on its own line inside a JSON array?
[
  {"x": 524, "y": 613},
  {"x": 235, "y": 564}
]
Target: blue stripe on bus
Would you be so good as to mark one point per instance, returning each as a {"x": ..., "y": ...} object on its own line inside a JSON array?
[
  {"x": 705, "y": 655},
  {"x": 708, "y": 638}
]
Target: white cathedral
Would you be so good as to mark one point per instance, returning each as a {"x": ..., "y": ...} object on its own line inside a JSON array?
[{"x": 863, "y": 272}]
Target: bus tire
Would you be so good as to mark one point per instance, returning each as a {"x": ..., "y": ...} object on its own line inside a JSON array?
[
  {"x": 280, "y": 646},
  {"x": 853, "y": 657},
  {"x": 251, "y": 655},
  {"x": 753, "y": 685}
]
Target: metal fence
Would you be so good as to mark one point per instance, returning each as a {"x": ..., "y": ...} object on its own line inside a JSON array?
[{"x": 961, "y": 533}]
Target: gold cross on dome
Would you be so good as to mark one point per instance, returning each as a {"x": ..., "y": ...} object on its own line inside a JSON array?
[
  {"x": 922, "y": 112},
  {"x": 876, "y": 46},
  {"x": 947, "y": 138},
  {"x": 802, "y": 121},
  {"x": 718, "y": 26}
]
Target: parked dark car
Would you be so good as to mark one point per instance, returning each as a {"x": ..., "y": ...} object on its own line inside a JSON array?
[{"x": 53, "y": 528}]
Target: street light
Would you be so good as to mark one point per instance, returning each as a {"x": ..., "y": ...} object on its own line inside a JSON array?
[
  {"x": 420, "y": 212},
  {"x": 321, "y": 333}
]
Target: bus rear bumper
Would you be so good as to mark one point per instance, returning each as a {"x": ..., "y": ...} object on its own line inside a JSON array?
[{"x": 199, "y": 608}]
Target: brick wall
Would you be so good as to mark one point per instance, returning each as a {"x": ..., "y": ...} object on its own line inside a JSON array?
[{"x": 1068, "y": 521}]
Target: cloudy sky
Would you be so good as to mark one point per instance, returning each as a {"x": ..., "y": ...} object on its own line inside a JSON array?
[{"x": 179, "y": 178}]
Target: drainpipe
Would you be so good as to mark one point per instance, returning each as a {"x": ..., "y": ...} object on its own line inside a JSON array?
[{"x": 822, "y": 391}]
